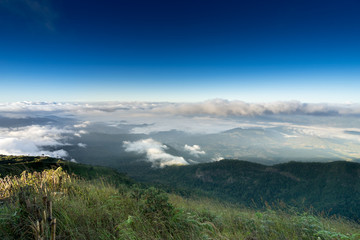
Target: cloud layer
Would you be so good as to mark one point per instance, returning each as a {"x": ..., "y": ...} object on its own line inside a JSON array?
[
  {"x": 221, "y": 107},
  {"x": 32, "y": 140},
  {"x": 155, "y": 152},
  {"x": 215, "y": 107},
  {"x": 300, "y": 125}
]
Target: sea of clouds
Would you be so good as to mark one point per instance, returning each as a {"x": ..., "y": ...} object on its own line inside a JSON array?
[{"x": 70, "y": 121}]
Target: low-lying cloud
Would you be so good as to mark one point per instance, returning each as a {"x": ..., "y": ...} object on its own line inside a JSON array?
[
  {"x": 194, "y": 150},
  {"x": 82, "y": 145},
  {"x": 33, "y": 140},
  {"x": 74, "y": 108},
  {"x": 155, "y": 152},
  {"x": 215, "y": 107},
  {"x": 221, "y": 107},
  {"x": 82, "y": 125}
]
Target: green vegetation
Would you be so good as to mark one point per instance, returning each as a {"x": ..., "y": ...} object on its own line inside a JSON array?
[
  {"x": 274, "y": 222},
  {"x": 331, "y": 188},
  {"x": 14, "y": 165},
  {"x": 92, "y": 210},
  {"x": 87, "y": 207}
]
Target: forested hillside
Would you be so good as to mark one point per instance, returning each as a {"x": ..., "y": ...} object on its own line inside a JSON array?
[{"x": 333, "y": 188}]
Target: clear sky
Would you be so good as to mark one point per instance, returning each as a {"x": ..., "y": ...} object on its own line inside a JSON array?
[{"x": 129, "y": 50}]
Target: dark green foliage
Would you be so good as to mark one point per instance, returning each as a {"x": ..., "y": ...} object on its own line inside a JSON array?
[{"x": 332, "y": 188}]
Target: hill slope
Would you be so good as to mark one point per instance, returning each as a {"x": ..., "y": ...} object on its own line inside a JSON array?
[
  {"x": 98, "y": 209},
  {"x": 331, "y": 187}
]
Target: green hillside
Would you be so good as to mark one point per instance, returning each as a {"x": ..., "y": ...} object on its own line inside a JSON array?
[
  {"x": 333, "y": 188},
  {"x": 54, "y": 199}
]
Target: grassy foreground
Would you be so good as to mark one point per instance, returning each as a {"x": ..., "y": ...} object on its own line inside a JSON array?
[{"x": 97, "y": 209}]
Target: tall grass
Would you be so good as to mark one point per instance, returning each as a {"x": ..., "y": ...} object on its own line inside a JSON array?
[
  {"x": 275, "y": 222},
  {"x": 99, "y": 210},
  {"x": 94, "y": 210}
]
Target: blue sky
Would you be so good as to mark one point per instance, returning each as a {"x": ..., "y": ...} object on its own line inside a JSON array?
[{"x": 121, "y": 50}]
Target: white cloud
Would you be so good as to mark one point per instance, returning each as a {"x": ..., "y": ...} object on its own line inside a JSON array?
[
  {"x": 31, "y": 140},
  {"x": 215, "y": 107},
  {"x": 36, "y": 107},
  {"x": 82, "y": 125},
  {"x": 194, "y": 150},
  {"x": 82, "y": 145},
  {"x": 318, "y": 131},
  {"x": 79, "y": 133},
  {"x": 222, "y": 107},
  {"x": 216, "y": 159},
  {"x": 74, "y": 108},
  {"x": 155, "y": 152}
]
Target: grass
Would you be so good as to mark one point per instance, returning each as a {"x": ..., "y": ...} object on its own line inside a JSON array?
[
  {"x": 275, "y": 222},
  {"x": 97, "y": 209},
  {"x": 93, "y": 210}
]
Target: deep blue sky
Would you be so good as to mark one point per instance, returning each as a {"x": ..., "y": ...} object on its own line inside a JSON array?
[{"x": 180, "y": 50}]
